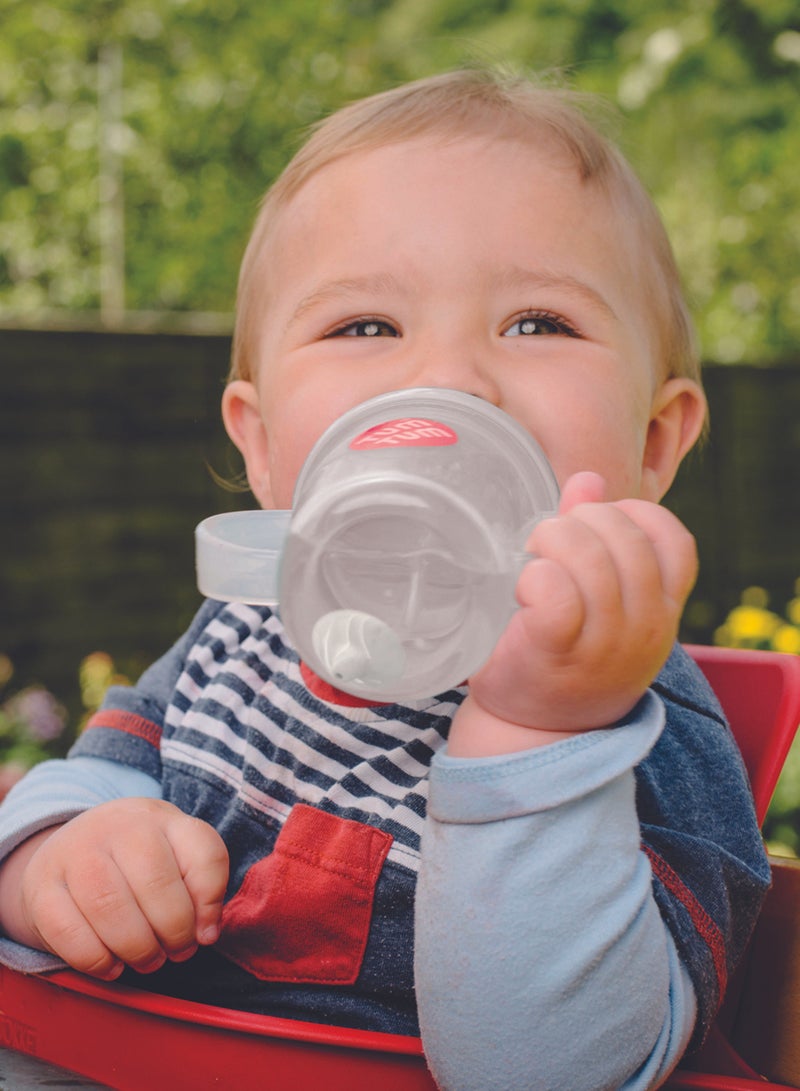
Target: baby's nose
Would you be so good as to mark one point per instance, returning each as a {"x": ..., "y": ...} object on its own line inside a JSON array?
[{"x": 462, "y": 368}]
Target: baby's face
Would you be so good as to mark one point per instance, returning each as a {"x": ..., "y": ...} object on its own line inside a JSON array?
[{"x": 484, "y": 265}]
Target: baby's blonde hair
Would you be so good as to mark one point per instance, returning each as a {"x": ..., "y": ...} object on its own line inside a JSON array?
[{"x": 468, "y": 103}]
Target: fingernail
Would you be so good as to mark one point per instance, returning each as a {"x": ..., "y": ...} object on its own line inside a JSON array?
[
  {"x": 209, "y": 935},
  {"x": 185, "y": 954},
  {"x": 153, "y": 965}
]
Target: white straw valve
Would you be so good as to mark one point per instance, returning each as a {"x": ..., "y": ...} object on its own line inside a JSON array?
[{"x": 353, "y": 646}]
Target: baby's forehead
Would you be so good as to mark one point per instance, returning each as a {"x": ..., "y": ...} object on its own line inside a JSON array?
[
  {"x": 411, "y": 183},
  {"x": 335, "y": 186},
  {"x": 314, "y": 186}
]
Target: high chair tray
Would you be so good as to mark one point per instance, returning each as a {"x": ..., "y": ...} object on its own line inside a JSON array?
[{"x": 129, "y": 1039}]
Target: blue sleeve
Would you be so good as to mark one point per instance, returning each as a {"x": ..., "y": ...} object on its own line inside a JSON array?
[{"x": 536, "y": 922}]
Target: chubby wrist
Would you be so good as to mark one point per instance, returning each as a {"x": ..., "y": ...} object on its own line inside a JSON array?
[
  {"x": 13, "y": 920},
  {"x": 478, "y": 733}
]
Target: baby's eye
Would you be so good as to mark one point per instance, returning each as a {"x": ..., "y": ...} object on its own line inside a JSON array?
[
  {"x": 365, "y": 327},
  {"x": 540, "y": 324}
]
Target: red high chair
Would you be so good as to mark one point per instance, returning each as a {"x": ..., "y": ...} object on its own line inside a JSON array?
[
  {"x": 760, "y": 693},
  {"x": 131, "y": 1040}
]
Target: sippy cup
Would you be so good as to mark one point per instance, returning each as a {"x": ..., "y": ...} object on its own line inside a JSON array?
[{"x": 396, "y": 568}]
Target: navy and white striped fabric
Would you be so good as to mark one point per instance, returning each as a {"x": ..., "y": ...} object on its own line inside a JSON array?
[{"x": 242, "y": 717}]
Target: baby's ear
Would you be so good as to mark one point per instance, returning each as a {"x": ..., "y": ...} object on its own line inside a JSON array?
[
  {"x": 244, "y": 424},
  {"x": 676, "y": 420}
]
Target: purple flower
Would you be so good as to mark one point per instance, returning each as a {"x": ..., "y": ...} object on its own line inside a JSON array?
[{"x": 40, "y": 713}]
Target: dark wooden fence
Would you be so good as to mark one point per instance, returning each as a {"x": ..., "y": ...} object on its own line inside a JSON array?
[{"x": 106, "y": 440}]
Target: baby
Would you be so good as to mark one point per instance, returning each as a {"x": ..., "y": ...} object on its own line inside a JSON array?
[{"x": 551, "y": 871}]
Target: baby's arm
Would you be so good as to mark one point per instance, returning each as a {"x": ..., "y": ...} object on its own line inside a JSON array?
[
  {"x": 128, "y": 882},
  {"x": 541, "y": 959},
  {"x": 541, "y": 956}
]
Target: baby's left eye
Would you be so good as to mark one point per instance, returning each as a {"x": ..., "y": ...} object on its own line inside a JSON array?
[{"x": 540, "y": 325}]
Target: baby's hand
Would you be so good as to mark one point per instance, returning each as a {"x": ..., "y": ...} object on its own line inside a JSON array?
[
  {"x": 600, "y": 605},
  {"x": 131, "y": 882}
]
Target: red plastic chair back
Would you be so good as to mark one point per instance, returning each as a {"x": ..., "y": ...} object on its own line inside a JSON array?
[{"x": 760, "y": 694}]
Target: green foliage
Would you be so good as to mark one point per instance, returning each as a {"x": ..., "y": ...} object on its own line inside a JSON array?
[
  {"x": 782, "y": 826},
  {"x": 139, "y": 136}
]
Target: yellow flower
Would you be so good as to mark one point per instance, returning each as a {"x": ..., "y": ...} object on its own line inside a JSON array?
[
  {"x": 787, "y": 639},
  {"x": 752, "y": 623},
  {"x": 97, "y": 673}
]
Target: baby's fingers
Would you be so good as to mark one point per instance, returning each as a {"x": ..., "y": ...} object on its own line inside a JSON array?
[
  {"x": 67, "y": 934},
  {"x": 58, "y": 918},
  {"x": 675, "y": 548},
  {"x": 585, "y": 487},
  {"x": 177, "y": 871},
  {"x": 202, "y": 859}
]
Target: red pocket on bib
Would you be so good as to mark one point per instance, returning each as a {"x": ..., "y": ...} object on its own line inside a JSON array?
[{"x": 303, "y": 913}]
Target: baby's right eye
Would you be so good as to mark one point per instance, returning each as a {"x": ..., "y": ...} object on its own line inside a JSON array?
[{"x": 365, "y": 327}]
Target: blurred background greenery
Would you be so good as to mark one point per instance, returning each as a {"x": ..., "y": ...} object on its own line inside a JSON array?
[{"x": 137, "y": 136}]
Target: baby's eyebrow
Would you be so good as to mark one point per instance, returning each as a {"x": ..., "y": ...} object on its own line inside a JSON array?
[
  {"x": 519, "y": 279},
  {"x": 515, "y": 278},
  {"x": 346, "y": 288}
]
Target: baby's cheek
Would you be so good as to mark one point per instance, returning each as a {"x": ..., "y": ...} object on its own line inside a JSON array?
[{"x": 288, "y": 451}]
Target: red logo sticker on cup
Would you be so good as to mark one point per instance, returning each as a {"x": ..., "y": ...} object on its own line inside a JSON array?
[{"x": 407, "y": 432}]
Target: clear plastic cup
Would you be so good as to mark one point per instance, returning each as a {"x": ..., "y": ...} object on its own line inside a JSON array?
[{"x": 405, "y": 542}]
